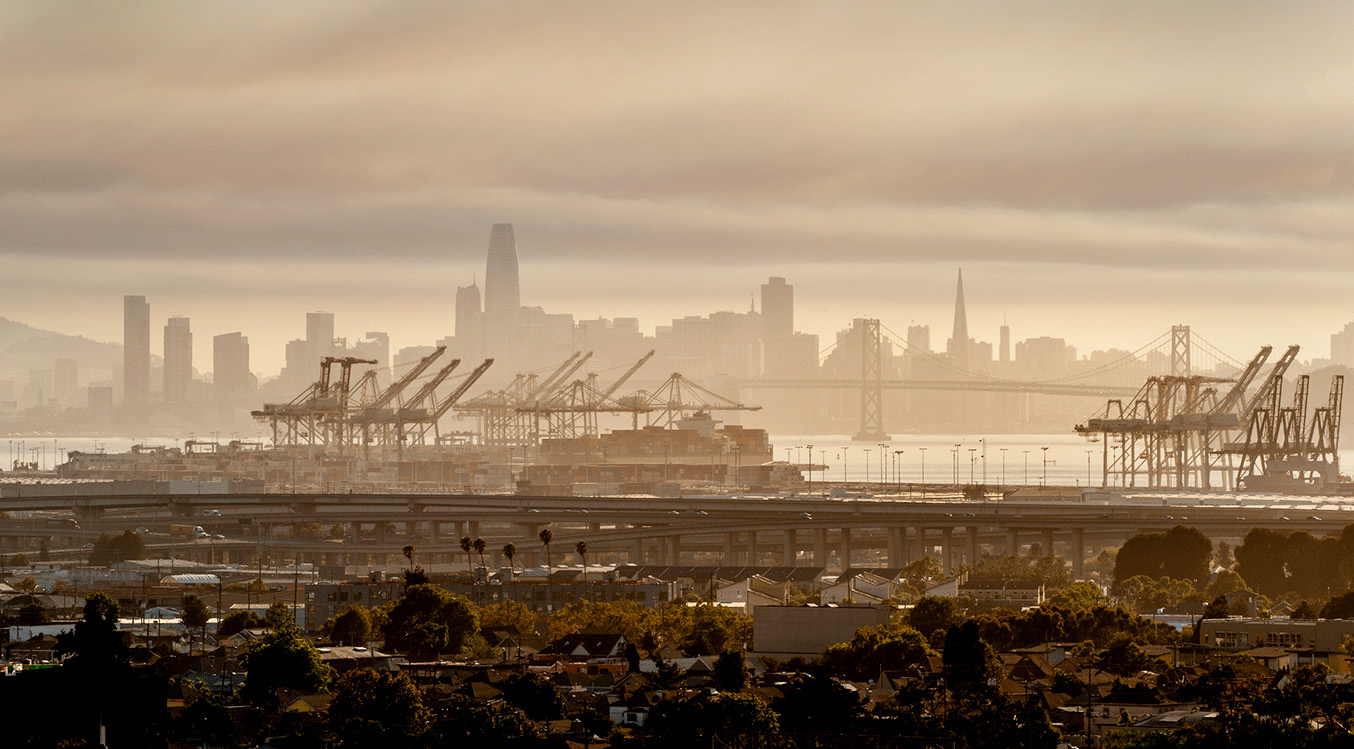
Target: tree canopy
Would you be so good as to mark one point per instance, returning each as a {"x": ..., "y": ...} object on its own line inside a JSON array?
[
  {"x": 282, "y": 658},
  {"x": 1181, "y": 553},
  {"x": 95, "y": 643},
  {"x": 427, "y": 621},
  {"x": 377, "y": 710},
  {"x": 876, "y": 648},
  {"x": 113, "y": 549}
]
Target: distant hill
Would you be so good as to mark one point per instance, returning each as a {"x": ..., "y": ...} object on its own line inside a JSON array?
[{"x": 24, "y": 347}]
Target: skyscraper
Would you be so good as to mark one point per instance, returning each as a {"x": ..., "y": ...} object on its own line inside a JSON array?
[
  {"x": 959, "y": 340},
  {"x": 178, "y": 359},
  {"x": 135, "y": 352},
  {"x": 469, "y": 322},
  {"x": 319, "y": 334},
  {"x": 778, "y": 309},
  {"x": 66, "y": 380},
  {"x": 502, "y": 294},
  {"x": 230, "y": 366}
]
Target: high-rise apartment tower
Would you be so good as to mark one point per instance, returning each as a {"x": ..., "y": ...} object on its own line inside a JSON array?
[
  {"x": 135, "y": 352},
  {"x": 178, "y": 359}
]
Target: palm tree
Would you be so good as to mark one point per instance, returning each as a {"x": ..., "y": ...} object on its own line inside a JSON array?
[
  {"x": 480, "y": 545},
  {"x": 510, "y": 551},
  {"x": 465, "y": 546},
  {"x": 582, "y": 548},
  {"x": 546, "y": 537},
  {"x": 409, "y": 555}
]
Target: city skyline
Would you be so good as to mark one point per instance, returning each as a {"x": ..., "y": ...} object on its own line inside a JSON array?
[{"x": 1118, "y": 168}]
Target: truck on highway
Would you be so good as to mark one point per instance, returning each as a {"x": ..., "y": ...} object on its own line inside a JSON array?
[{"x": 187, "y": 531}]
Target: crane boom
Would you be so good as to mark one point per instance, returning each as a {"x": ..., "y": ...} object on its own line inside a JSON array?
[
  {"x": 628, "y": 374},
  {"x": 1273, "y": 382},
  {"x": 393, "y": 392},
  {"x": 1238, "y": 390},
  {"x": 546, "y": 392},
  {"x": 549, "y": 381},
  {"x": 460, "y": 390},
  {"x": 431, "y": 385}
]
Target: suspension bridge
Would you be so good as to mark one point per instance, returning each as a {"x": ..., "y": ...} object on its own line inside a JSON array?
[{"x": 886, "y": 360}]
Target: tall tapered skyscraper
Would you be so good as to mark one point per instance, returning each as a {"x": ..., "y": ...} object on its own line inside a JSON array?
[
  {"x": 959, "y": 340},
  {"x": 502, "y": 294}
]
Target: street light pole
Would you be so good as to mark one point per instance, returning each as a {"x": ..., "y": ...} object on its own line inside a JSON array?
[
  {"x": 923, "y": 468},
  {"x": 955, "y": 453},
  {"x": 1027, "y": 467},
  {"x": 1003, "y": 466},
  {"x": 810, "y": 469},
  {"x": 1044, "y": 480}
]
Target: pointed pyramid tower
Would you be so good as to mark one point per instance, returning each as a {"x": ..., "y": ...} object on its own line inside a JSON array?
[{"x": 958, "y": 348}]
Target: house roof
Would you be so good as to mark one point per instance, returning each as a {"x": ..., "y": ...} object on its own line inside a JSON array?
[{"x": 587, "y": 645}]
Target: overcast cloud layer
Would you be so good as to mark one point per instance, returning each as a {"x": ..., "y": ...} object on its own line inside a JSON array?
[{"x": 1101, "y": 170}]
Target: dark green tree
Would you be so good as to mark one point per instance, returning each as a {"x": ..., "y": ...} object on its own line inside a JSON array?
[
  {"x": 966, "y": 658},
  {"x": 278, "y": 614},
  {"x": 698, "y": 721},
  {"x": 32, "y": 613},
  {"x": 731, "y": 672},
  {"x": 1339, "y": 607},
  {"x": 874, "y": 649},
  {"x": 282, "y": 658},
  {"x": 428, "y": 620},
  {"x": 816, "y": 703},
  {"x": 931, "y": 613},
  {"x": 95, "y": 644},
  {"x": 533, "y": 695},
  {"x": 195, "y": 614},
  {"x": 1262, "y": 560},
  {"x": 376, "y": 710},
  {"x": 238, "y": 621},
  {"x": 352, "y": 627},
  {"x": 1181, "y": 553},
  {"x": 1123, "y": 657}
]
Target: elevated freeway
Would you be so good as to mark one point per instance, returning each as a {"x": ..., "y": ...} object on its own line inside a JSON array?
[{"x": 802, "y": 529}]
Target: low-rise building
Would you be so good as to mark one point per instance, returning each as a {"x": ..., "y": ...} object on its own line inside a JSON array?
[
  {"x": 806, "y": 631},
  {"x": 1234, "y": 633}
]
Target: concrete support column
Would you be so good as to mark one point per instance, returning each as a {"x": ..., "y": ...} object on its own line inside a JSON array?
[
  {"x": 922, "y": 545},
  {"x": 671, "y": 552},
  {"x": 381, "y": 533},
  {"x": 472, "y": 529},
  {"x": 820, "y": 547},
  {"x": 752, "y": 549},
  {"x": 947, "y": 550},
  {"x": 897, "y": 546},
  {"x": 730, "y": 549},
  {"x": 846, "y": 548},
  {"x": 1012, "y": 541},
  {"x": 1048, "y": 541},
  {"x": 435, "y": 532},
  {"x": 972, "y": 560},
  {"x": 1078, "y": 553},
  {"x": 637, "y": 551},
  {"x": 789, "y": 558}
]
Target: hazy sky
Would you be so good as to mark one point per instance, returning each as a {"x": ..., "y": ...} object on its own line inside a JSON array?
[{"x": 1100, "y": 170}]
